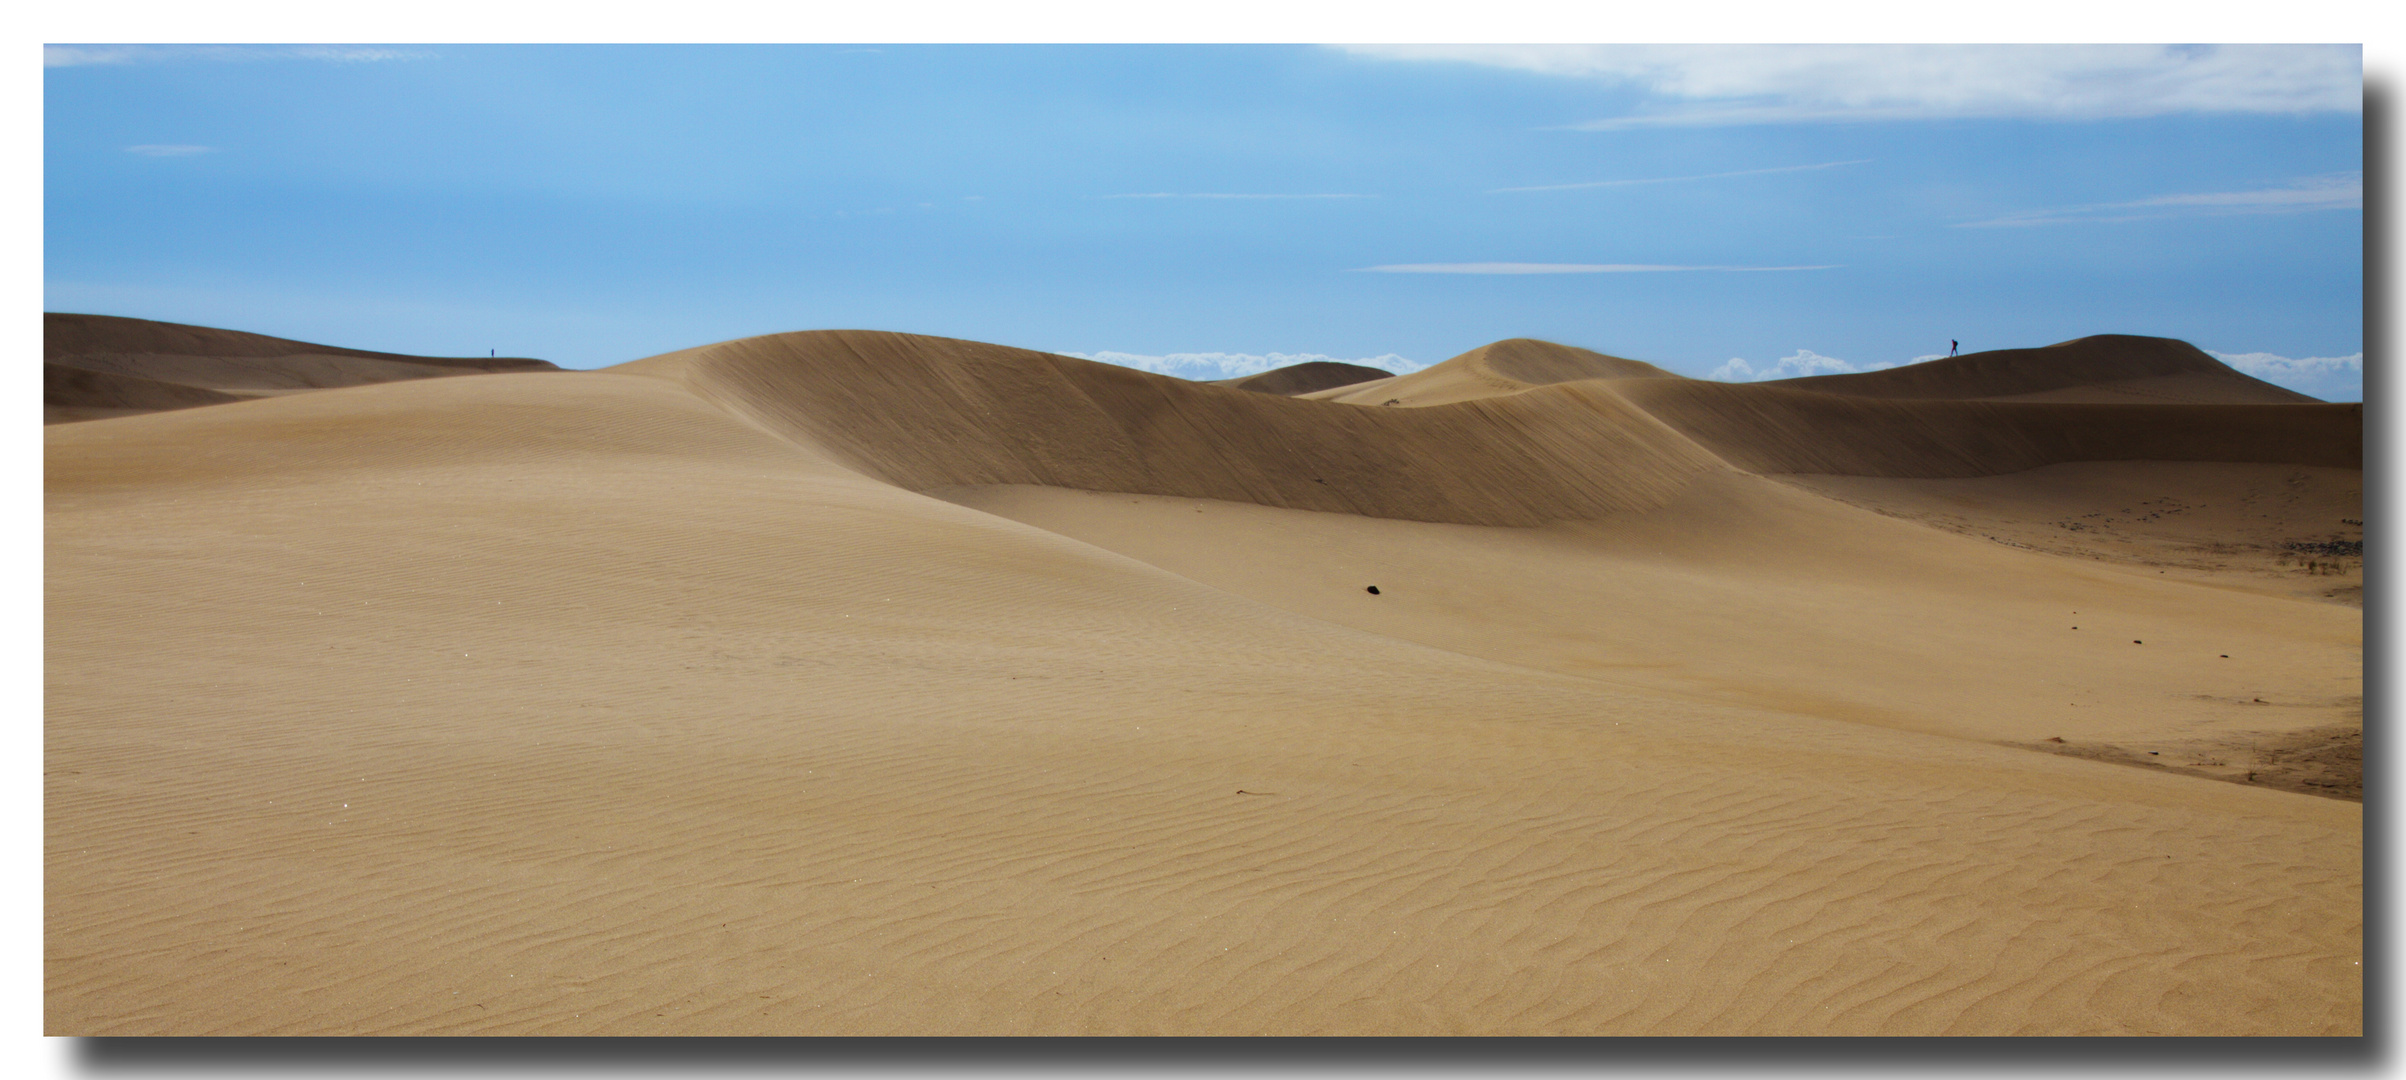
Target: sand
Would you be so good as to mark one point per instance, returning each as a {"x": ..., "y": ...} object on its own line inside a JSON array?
[{"x": 852, "y": 683}]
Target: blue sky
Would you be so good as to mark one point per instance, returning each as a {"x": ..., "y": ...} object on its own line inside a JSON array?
[{"x": 1207, "y": 210}]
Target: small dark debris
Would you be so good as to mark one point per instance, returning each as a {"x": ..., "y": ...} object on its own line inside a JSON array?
[
  {"x": 2136, "y": 641},
  {"x": 2226, "y": 656},
  {"x": 1392, "y": 401},
  {"x": 2151, "y": 753},
  {"x": 1374, "y": 590},
  {"x": 2054, "y": 738}
]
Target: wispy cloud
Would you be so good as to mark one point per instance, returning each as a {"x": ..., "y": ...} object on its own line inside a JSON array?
[
  {"x": 1232, "y": 195},
  {"x": 1219, "y": 365},
  {"x": 1566, "y": 268},
  {"x": 1720, "y": 85},
  {"x": 1682, "y": 179},
  {"x": 1800, "y": 364},
  {"x": 83, "y": 55},
  {"x": 159, "y": 150},
  {"x": 2342, "y": 191}
]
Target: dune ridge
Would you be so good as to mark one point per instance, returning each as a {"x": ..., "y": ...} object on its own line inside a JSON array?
[{"x": 213, "y": 366}]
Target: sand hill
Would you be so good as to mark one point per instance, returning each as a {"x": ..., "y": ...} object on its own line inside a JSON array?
[
  {"x": 2104, "y": 368},
  {"x": 98, "y": 366},
  {"x": 863, "y": 683},
  {"x": 1505, "y": 367},
  {"x": 1306, "y": 378}
]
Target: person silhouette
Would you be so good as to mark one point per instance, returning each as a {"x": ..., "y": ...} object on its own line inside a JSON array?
[{"x": 1953, "y": 345}]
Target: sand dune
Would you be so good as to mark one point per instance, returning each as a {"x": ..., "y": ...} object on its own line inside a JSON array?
[
  {"x": 210, "y": 366},
  {"x": 923, "y": 412},
  {"x": 931, "y": 412},
  {"x": 1505, "y": 367},
  {"x": 660, "y": 700},
  {"x": 2102, "y": 368},
  {"x": 2099, "y": 398},
  {"x": 1309, "y": 377}
]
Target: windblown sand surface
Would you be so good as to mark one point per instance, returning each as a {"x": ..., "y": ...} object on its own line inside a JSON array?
[{"x": 855, "y": 683}]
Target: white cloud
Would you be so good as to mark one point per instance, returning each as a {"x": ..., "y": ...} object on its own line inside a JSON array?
[
  {"x": 2332, "y": 378},
  {"x": 1802, "y": 363},
  {"x": 1563, "y": 268},
  {"x": 1218, "y": 365},
  {"x": 1229, "y": 195},
  {"x": 2340, "y": 191},
  {"x": 157, "y": 150},
  {"x": 1681, "y": 179},
  {"x": 1716, "y": 85},
  {"x": 84, "y": 55}
]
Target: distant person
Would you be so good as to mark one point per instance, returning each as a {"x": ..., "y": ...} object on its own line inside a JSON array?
[{"x": 1953, "y": 345}]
